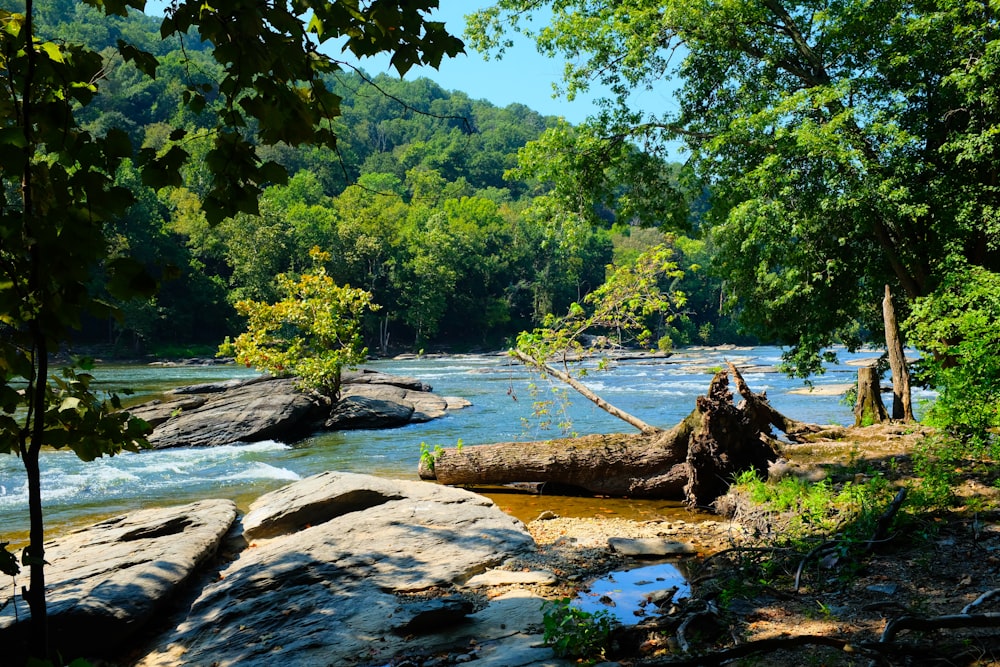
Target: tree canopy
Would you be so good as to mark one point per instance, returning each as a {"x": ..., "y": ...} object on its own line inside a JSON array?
[{"x": 845, "y": 146}]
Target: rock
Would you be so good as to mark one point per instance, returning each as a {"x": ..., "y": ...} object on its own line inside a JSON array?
[
  {"x": 379, "y": 405},
  {"x": 508, "y": 577},
  {"x": 105, "y": 582},
  {"x": 370, "y": 406},
  {"x": 265, "y": 408},
  {"x": 372, "y": 377},
  {"x": 272, "y": 409},
  {"x": 663, "y": 596},
  {"x": 646, "y": 547},
  {"x": 157, "y": 412},
  {"x": 315, "y": 500},
  {"x": 344, "y": 588}
]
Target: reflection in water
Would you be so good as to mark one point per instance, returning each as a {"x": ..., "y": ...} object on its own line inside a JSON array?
[
  {"x": 630, "y": 595},
  {"x": 527, "y": 506}
]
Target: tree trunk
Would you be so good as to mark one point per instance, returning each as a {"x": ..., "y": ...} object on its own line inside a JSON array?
[
  {"x": 902, "y": 407},
  {"x": 696, "y": 459},
  {"x": 869, "y": 408},
  {"x": 588, "y": 394}
]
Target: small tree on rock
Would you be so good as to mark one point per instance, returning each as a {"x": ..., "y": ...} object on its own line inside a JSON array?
[{"x": 312, "y": 333}]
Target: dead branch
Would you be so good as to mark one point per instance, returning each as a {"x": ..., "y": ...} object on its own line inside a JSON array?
[
  {"x": 585, "y": 391},
  {"x": 988, "y": 595},
  {"x": 948, "y": 621},
  {"x": 885, "y": 520}
]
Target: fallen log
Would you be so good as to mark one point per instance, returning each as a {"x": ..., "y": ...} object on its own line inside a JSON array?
[{"x": 695, "y": 460}]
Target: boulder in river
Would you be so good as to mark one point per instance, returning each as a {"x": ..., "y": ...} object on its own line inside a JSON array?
[
  {"x": 268, "y": 408},
  {"x": 107, "y": 581}
]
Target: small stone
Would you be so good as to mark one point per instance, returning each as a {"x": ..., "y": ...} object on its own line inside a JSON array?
[
  {"x": 886, "y": 589},
  {"x": 644, "y": 547},
  {"x": 507, "y": 577},
  {"x": 547, "y": 515},
  {"x": 663, "y": 596}
]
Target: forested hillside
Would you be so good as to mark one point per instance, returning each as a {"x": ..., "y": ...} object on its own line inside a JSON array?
[{"x": 413, "y": 206}]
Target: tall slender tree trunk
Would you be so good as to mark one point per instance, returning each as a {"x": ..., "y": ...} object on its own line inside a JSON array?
[
  {"x": 902, "y": 407},
  {"x": 34, "y": 593}
]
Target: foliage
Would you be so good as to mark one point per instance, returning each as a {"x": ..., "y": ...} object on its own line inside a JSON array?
[
  {"x": 429, "y": 456},
  {"x": 628, "y": 308},
  {"x": 843, "y": 147},
  {"x": 312, "y": 333},
  {"x": 806, "y": 509},
  {"x": 575, "y": 633},
  {"x": 958, "y": 328}
]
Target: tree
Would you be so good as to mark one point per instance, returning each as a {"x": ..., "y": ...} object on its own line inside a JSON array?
[
  {"x": 312, "y": 333},
  {"x": 845, "y": 146},
  {"x": 627, "y": 307},
  {"x": 58, "y": 187},
  {"x": 959, "y": 328}
]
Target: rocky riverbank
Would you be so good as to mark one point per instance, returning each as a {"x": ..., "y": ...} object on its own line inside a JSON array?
[{"x": 338, "y": 569}]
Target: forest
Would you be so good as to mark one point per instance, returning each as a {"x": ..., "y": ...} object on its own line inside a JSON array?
[{"x": 413, "y": 205}]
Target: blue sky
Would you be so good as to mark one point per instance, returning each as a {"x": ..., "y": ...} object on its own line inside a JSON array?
[{"x": 523, "y": 75}]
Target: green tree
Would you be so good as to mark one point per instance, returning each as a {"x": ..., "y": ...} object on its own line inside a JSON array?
[
  {"x": 311, "y": 333},
  {"x": 846, "y": 146},
  {"x": 627, "y": 309},
  {"x": 58, "y": 187},
  {"x": 958, "y": 327}
]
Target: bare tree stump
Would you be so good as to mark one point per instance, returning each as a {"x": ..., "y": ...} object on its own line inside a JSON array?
[{"x": 869, "y": 409}]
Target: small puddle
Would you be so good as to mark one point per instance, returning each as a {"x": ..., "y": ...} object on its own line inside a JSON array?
[{"x": 625, "y": 594}]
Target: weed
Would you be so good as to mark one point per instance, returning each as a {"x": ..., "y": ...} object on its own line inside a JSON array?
[
  {"x": 430, "y": 456},
  {"x": 575, "y": 633}
]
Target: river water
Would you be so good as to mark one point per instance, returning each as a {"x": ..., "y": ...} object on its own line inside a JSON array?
[{"x": 659, "y": 390}]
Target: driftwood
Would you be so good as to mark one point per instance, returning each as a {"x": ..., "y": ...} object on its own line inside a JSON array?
[{"x": 696, "y": 459}]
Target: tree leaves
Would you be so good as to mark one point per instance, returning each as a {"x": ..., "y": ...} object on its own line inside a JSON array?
[{"x": 311, "y": 334}]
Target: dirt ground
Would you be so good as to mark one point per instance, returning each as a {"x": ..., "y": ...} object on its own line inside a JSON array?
[{"x": 838, "y": 612}]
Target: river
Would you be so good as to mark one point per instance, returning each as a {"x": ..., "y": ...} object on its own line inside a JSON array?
[{"x": 658, "y": 390}]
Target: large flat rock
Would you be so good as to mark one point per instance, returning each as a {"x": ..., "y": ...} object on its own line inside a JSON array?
[
  {"x": 107, "y": 581},
  {"x": 345, "y": 569}
]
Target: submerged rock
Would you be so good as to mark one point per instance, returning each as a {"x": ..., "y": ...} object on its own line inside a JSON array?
[{"x": 107, "y": 581}]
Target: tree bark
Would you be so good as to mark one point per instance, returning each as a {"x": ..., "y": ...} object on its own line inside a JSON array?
[
  {"x": 869, "y": 409},
  {"x": 696, "y": 459},
  {"x": 902, "y": 407},
  {"x": 588, "y": 394}
]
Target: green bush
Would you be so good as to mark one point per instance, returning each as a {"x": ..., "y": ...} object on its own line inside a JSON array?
[
  {"x": 957, "y": 328},
  {"x": 575, "y": 633}
]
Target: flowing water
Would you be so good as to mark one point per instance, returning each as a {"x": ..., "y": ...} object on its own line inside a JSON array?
[{"x": 658, "y": 390}]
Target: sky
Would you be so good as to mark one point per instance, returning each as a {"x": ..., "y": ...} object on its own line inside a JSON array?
[{"x": 522, "y": 76}]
